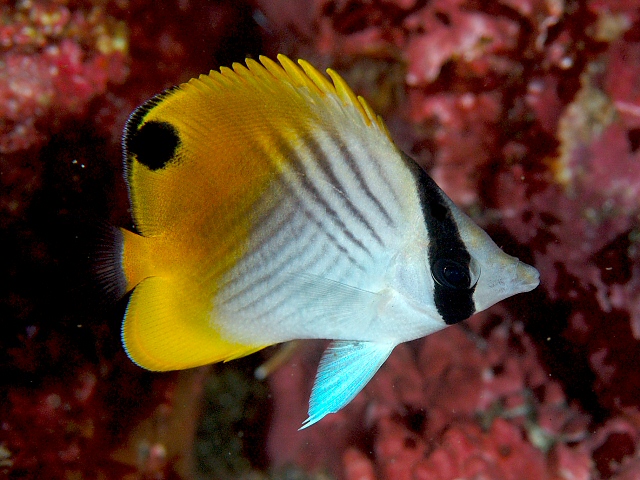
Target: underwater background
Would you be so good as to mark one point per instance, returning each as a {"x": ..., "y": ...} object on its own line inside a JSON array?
[{"x": 527, "y": 114}]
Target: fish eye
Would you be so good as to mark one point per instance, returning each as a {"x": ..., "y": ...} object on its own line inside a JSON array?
[{"x": 452, "y": 274}]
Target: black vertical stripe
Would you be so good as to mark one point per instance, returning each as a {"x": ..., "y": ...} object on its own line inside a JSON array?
[{"x": 454, "y": 305}]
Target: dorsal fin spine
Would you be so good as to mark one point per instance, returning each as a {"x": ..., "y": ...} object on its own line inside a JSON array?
[
  {"x": 346, "y": 94},
  {"x": 371, "y": 115},
  {"x": 296, "y": 73},
  {"x": 321, "y": 82},
  {"x": 273, "y": 68},
  {"x": 257, "y": 68},
  {"x": 212, "y": 80},
  {"x": 201, "y": 84},
  {"x": 242, "y": 71},
  {"x": 228, "y": 76}
]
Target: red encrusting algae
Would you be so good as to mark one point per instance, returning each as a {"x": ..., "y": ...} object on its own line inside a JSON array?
[{"x": 468, "y": 403}]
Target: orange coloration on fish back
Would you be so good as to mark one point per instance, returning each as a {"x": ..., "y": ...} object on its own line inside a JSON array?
[{"x": 198, "y": 158}]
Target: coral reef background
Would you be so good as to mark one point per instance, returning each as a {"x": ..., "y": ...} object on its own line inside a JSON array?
[{"x": 526, "y": 112}]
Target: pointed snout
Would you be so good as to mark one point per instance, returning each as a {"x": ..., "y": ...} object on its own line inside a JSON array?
[
  {"x": 527, "y": 277},
  {"x": 503, "y": 276}
]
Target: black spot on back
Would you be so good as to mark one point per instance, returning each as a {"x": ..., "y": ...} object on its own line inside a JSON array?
[
  {"x": 154, "y": 144},
  {"x": 134, "y": 123}
]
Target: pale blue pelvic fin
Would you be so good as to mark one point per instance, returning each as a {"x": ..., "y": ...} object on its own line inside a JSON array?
[{"x": 346, "y": 367}]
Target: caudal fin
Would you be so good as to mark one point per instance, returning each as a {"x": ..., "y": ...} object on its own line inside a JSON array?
[{"x": 105, "y": 261}]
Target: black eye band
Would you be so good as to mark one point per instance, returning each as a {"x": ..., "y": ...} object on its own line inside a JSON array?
[{"x": 450, "y": 262}]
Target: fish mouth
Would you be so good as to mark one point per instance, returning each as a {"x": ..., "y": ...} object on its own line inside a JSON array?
[{"x": 528, "y": 276}]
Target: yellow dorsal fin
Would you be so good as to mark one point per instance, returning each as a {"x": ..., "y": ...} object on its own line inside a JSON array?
[
  {"x": 341, "y": 89},
  {"x": 346, "y": 94}
]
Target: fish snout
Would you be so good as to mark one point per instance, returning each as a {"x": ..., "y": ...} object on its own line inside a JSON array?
[{"x": 527, "y": 276}]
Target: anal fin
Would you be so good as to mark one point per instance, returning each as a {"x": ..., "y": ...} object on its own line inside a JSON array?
[{"x": 345, "y": 368}]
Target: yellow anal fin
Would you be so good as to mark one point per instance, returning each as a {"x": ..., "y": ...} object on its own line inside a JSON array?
[{"x": 167, "y": 327}]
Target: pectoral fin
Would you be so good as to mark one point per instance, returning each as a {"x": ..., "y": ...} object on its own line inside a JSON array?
[{"x": 345, "y": 368}]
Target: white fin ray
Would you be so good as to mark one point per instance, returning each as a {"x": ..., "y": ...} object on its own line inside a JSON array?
[{"x": 346, "y": 367}]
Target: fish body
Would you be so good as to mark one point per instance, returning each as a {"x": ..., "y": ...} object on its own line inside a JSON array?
[{"x": 271, "y": 204}]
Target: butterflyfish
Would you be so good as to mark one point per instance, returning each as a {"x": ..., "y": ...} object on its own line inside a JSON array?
[{"x": 271, "y": 204}]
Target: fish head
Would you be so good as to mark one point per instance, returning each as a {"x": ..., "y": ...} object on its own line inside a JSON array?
[
  {"x": 493, "y": 275},
  {"x": 453, "y": 269}
]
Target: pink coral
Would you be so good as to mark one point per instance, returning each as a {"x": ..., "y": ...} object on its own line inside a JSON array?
[
  {"x": 464, "y": 130},
  {"x": 582, "y": 232},
  {"x": 444, "y": 31},
  {"x": 460, "y": 110},
  {"x": 621, "y": 81},
  {"x": 525, "y": 111},
  {"x": 73, "y": 405},
  {"x": 467, "y": 452},
  {"x": 37, "y": 447},
  {"x": 459, "y": 408},
  {"x": 55, "y": 61}
]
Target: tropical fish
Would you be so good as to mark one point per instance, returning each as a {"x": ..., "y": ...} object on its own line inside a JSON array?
[{"x": 271, "y": 204}]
